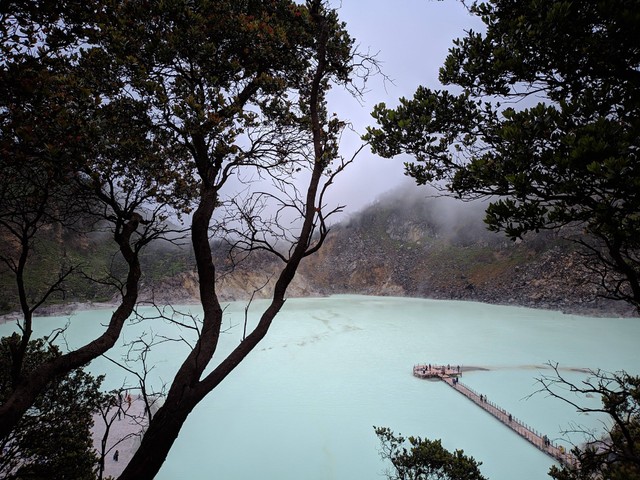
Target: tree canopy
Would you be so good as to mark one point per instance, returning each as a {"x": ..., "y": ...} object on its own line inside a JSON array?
[
  {"x": 545, "y": 121},
  {"x": 53, "y": 439},
  {"x": 425, "y": 459}
]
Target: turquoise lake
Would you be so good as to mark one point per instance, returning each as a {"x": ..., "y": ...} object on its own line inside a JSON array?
[{"x": 303, "y": 405}]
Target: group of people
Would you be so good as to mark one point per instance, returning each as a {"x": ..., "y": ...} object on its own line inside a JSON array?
[{"x": 443, "y": 369}]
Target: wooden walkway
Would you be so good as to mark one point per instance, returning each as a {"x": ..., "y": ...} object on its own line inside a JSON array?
[{"x": 450, "y": 375}]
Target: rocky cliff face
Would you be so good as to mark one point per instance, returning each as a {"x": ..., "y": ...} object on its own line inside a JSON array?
[
  {"x": 541, "y": 272},
  {"x": 506, "y": 274}
]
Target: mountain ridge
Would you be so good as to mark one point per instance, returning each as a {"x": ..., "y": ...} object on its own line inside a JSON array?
[{"x": 400, "y": 245}]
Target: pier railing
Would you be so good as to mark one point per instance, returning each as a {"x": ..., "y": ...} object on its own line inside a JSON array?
[{"x": 451, "y": 376}]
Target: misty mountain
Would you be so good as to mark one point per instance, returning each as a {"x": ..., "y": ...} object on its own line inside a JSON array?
[
  {"x": 412, "y": 245},
  {"x": 401, "y": 245}
]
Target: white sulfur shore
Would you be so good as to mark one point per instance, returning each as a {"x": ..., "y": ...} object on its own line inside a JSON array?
[{"x": 124, "y": 434}]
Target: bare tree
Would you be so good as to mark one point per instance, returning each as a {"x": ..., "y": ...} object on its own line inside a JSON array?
[
  {"x": 615, "y": 451},
  {"x": 112, "y": 183}
]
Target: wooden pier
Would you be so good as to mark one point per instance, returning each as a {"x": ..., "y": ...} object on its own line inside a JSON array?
[{"x": 451, "y": 375}]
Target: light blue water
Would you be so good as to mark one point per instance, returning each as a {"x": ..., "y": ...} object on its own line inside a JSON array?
[{"x": 304, "y": 404}]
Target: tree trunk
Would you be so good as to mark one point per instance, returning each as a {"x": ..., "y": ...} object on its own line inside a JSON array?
[{"x": 158, "y": 439}]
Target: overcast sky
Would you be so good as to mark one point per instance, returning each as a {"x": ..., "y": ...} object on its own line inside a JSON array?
[{"x": 412, "y": 38}]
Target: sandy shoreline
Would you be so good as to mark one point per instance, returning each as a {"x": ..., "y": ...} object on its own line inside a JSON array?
[{"x": 125, "y": 431}]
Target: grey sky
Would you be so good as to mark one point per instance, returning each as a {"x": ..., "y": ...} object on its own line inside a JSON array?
[{"x": 412, "y": 38}]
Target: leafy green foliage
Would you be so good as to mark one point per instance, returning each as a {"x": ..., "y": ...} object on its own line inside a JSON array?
[
  {"x": 53, "y": 439},
  {"x": 425, "y": 459},
  {"x": 568, "y": 160}
]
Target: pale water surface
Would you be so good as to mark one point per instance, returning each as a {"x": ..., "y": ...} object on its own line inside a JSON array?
[{"x": 304, "y": 404}]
